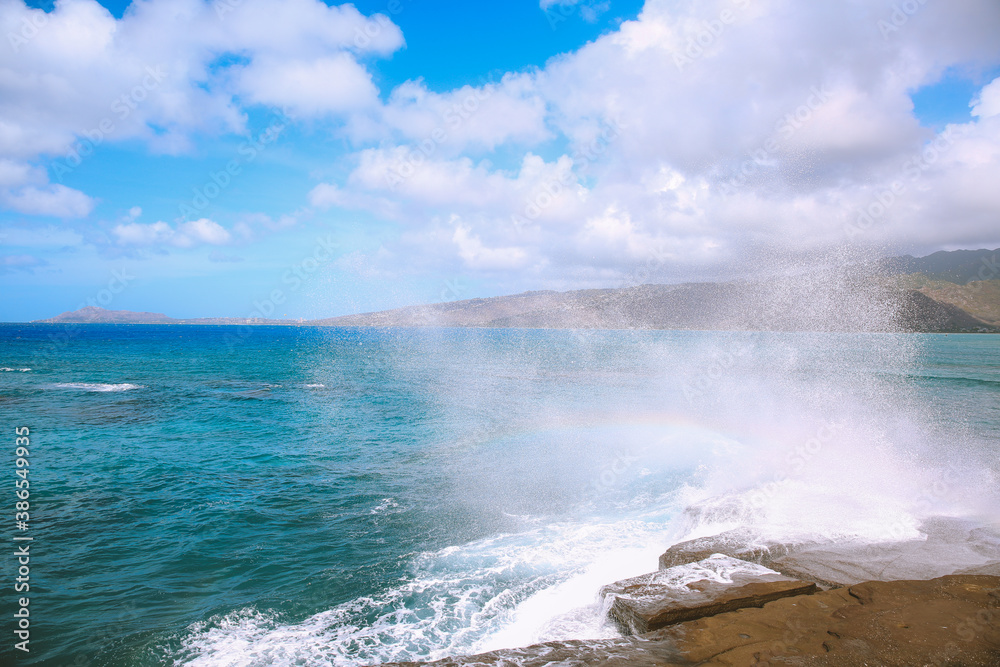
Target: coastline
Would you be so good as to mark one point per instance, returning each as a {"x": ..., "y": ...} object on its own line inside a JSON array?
[
  {"x": 548, "y": 510},
  {"x": 731, "y": 600},
  {"x": 316, "y": 324}
]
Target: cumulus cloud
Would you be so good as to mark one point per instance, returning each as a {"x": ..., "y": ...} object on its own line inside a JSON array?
[
  {"x": 693, "y": 135},
  {"x": 13, "y": 173},
  {"x": 476, "y": 117},
  {"x": 138, "y": 234},
  {"x": 51, "y": 200},
  {"x": 402, "y": 176},
  {"x": 683, "y": 138},
  {"x": 326, "y": 195},
  {"x": 168, "y": 69},
  {"x": 988, "y": 103},
  {"x": 185, "y": 235},
  {"x": 326, "y": 85},
  {"x": 24, "y": 188},
  {"x": 477, "y": 256},
  {"x": 203, "y": 231}
]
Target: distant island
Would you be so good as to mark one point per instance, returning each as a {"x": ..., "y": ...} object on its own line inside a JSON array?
[
  {"x": 98, "y": 315},
  {"x": 956, "y": 291}
]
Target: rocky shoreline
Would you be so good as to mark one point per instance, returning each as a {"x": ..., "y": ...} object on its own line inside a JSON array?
[{"x": 732, "y": 600}]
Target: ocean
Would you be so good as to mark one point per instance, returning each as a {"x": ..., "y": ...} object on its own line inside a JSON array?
[{"x": 315, "y": 496}]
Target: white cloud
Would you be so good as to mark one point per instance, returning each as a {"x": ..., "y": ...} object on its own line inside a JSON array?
[
  {"x": 24, "y": 188},
  {"x": 50, "y": 200},
  {"x": 402, "y": 175},
  {"x": 14, "y": 173},
  {"x": 186, "y": 235},
  {"x": 326, "y": 195},
  {"x": 988, "y": 102},
  {"x": 326, "y": 85},
  {"x": 699, "y": 130},
  {"x": 138, "y": 234},
  {"x": 695, "y": 133},
  {"x": 477, "y": 256},
  {"x": 203, "y": 231},
  {"x": 477, "y": 117},
  {"x": 167, "y": 70}
]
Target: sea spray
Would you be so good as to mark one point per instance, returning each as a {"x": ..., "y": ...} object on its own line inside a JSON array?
[{"x": 451, "y": 491}]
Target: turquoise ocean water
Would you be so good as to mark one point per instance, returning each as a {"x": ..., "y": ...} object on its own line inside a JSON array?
[{"x": 302, "y": 496}]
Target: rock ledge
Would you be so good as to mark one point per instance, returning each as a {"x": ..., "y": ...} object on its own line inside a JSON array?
[{"x": 715, "y": 585}]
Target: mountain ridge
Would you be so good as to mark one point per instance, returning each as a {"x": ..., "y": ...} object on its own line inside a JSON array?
[{"x": 945, "y": 294}]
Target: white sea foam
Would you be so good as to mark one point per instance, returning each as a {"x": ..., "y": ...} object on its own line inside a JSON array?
[
  {"x": 788, "y": 451},
  {"x": 14, "y": 370},
  {"x": 507, "y": 591},
  {"x": 541, "y": 584},
  {"x": 98, "y": 386},
  {"x": 387, "y": 506},
  {"x": 717, "y": 567}
]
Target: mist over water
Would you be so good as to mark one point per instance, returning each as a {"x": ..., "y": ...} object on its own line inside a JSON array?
[{"x": 349, "y": 497}]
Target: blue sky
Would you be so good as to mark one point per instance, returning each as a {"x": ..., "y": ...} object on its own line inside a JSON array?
[{"x": 239, "y": 156}]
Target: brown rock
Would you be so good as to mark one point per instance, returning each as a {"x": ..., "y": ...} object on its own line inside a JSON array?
[
  {"x": 739, "y": 543},
  {"x": 715, "y": 585},
  {"x": 951, "y": 621},
  {"x": 625, "y": 652}
]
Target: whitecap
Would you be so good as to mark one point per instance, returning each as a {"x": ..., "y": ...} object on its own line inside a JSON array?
[
  {"x": 386, "y": 506},
  {"x": 14, "y": 370},
  {"x": 98, "y": 386},
  {"x": 508, "y": 590}
]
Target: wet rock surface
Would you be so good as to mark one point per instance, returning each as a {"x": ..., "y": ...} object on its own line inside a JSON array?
[
  {"x": 948, "y": 546},
  {"x": 711, "y": 586},
  {"x": 928, "y": 602},
  {"x": 952, "y": 620},
  {"x": 740, "y": 543},
  {"x": 609, "y": 652}
]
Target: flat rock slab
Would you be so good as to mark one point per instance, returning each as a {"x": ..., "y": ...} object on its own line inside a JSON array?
[
  {"x": 849, "y": 564},
  {"x": 714, "y": 585},
  {"x": 948, "y": 546},
  {"x": 950, "y": 621},
  {"x": 740, "y": 543}
]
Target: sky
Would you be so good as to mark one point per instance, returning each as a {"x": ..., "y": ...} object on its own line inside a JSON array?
[{"x": 290, "y": 158}]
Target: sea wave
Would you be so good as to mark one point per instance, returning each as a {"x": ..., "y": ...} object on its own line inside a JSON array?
[
  {"x": 14, "y": 370},
  {"x": 98, "y": 386},
  {"x": 387, "y": 506},
  {"x": 507, "y": 591}
]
